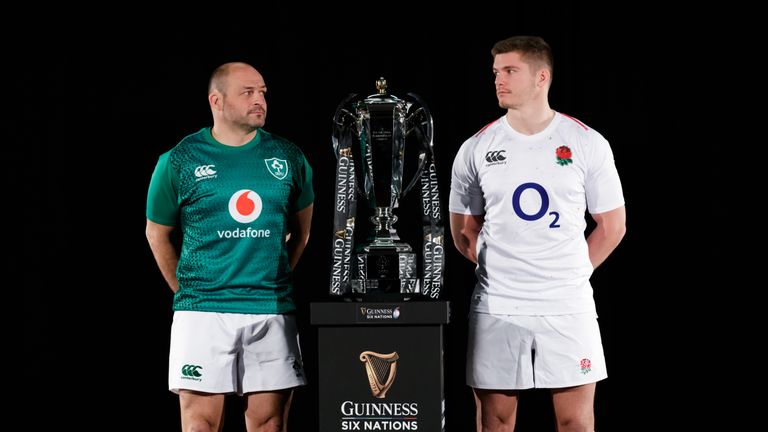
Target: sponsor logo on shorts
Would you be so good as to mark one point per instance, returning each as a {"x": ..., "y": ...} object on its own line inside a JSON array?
[
  {"x": 191, "y": 372},
  {"x": 586, "y": 366},
  {"x": 298, "y": 368}
]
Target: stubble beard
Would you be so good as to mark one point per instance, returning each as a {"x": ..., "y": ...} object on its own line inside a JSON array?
[
  {"x": 249, "y": 126},
  {"x": 506, "y": 105},
  {"x": 249, "y": 123}
]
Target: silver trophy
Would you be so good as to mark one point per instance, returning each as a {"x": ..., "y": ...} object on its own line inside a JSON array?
[{"x": 369, "y": 139}]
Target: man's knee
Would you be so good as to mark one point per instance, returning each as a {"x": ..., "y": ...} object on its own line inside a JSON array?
[
  {"x": 496, "y": 423},
  {"x": 200, "y": 424},
  {"x": 268, "y": 424},
  {"x": 582, "y": 423}
]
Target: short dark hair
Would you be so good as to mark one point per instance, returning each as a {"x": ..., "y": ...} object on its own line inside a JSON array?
[{"x": 532, "y": 49}]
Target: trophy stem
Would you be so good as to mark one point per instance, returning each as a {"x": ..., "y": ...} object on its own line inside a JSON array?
[
  {"x": 382, "y": 221},
  {"x": 384, "y": 235}
]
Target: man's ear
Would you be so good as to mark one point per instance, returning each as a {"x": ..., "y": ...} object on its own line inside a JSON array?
[
  {"x": 543, "y": 78},
  {"x": 215, "y": 100}
]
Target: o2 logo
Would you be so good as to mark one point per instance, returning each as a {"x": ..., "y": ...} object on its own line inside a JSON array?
[{"x": 544, "y": 204}]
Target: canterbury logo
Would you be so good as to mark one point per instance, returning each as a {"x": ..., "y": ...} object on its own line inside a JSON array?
[
  {"x": 205, "y": 170},
  {"x": 381, "y": 370},
  {"x": 495, "y": 156},
  {"x": 191, "y": 370},
  {"x": 297, "y": 368}
]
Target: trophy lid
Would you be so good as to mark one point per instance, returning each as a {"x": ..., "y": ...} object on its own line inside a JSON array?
[
  {"x": 382, "y": 96},
  {"x": 381, "y": 85}
]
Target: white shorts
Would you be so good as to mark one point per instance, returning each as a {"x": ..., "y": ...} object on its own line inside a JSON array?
[
  {"x": 234, "y": 353},
  {"x": 516, "y": 352}
]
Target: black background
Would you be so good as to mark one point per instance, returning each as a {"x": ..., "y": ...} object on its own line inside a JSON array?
[{"x": 99, "y": 102}]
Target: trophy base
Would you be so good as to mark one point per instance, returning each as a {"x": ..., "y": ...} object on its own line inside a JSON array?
[{"x": 386, "y": 274}]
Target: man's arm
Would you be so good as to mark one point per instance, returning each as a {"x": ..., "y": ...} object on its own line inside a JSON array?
[
  {"x": 465, "y": 229},
  {"x": 609, "y": 231},
  {"x": 159, "y": 237},
  {"x": 299, "y": 224}
]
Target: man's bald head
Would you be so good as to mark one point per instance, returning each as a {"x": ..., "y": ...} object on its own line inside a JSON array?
[{"x": 218, "y": 81}]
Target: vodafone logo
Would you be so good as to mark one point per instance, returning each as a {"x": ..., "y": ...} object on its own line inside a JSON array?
[{"x": 245, "y": 206}]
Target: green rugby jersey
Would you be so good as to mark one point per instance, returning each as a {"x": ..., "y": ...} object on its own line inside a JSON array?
[{"x": 232, "y": 204}]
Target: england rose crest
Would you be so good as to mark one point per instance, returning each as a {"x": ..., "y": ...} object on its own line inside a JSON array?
[
  {"x": 586, "y": 366},
  {"x": 564, "y": 155}
]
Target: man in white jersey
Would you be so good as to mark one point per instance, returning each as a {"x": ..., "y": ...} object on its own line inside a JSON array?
[
  {"x": 519, "y": 190},
  {"x": 242, "y": 198}
]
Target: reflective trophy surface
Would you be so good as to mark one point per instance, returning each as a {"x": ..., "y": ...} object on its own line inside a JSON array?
[{"x": 369, "y": 140}]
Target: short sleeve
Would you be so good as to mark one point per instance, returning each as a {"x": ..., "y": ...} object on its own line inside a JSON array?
[
  {"x": 466, "y": 194},
  {"x": 162, "y": 198},
  {"x": 305, "y": 194},
  {"x": 603, "y": 187}
]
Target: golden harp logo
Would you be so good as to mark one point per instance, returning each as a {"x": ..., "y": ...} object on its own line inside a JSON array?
[{"x": 381, "y": 370}]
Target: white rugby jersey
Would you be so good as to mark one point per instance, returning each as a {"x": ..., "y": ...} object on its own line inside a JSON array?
[{"x": 534, "y": 190}]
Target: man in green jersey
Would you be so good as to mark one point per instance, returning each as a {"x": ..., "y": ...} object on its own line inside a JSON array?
[{"x": 243, "y": 200}]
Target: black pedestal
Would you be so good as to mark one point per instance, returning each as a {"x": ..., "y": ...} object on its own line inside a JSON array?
[{"x": 380, "y": 365}]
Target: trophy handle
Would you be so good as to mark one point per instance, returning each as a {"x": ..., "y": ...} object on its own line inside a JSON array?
[
  {"x": 339, "y": 121},
  {"x": 425, "y": 137},
  {"x": 428, "y": 117},
  {"x": 343, "y": 119}
]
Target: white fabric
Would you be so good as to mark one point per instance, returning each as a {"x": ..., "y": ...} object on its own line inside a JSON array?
[
  {"x": 234, "y": 353},
  {"x": 532, "y": 253},
  {"x": 514, "y": 352}
]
